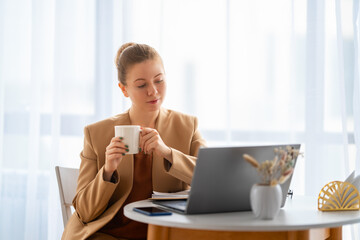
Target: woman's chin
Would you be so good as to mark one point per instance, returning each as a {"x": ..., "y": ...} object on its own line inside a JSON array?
[{"x": 153, "y": 108}]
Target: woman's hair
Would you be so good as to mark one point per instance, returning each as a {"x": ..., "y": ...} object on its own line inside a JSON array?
[{"x": 130, "y": 54}]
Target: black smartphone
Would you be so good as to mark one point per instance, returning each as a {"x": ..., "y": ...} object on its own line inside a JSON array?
[{"x": 152, "y": 211}]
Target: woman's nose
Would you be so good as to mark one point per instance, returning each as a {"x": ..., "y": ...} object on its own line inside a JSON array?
[{"x": 152, "y": 90}]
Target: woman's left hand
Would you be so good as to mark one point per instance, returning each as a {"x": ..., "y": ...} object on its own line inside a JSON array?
[{"x": 150, "y": 141}]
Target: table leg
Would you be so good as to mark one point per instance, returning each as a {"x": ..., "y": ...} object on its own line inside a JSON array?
[
  {"x": 336, "y": 233},
  {"x": 299, "y": 235},
  {"x": 158, "y": 232}
]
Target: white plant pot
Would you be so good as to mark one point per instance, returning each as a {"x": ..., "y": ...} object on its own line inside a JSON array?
[{"x": 265, "y": 200}]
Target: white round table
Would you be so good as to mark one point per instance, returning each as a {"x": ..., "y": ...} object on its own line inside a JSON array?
[{"x": 296, "y": 219}]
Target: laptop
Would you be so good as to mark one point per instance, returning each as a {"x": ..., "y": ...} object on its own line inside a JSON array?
[{"x": 222, "y": 180}]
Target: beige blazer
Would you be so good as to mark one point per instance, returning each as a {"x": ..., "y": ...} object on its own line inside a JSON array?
[{"x": 94, "y": 204}]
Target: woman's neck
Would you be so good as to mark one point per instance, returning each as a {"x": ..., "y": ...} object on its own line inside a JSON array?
[{"x": 144, "y": 119}]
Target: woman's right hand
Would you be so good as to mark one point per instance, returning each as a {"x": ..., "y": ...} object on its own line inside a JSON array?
[{"x": 113, "y": 156}]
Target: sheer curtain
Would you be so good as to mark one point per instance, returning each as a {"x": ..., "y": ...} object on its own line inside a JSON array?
[
  {"x": 356, "y": 92},
  {"x": 254, "y": 72}
]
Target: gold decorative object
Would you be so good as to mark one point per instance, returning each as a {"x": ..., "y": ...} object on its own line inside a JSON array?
[{"x": 339, "y": 196}]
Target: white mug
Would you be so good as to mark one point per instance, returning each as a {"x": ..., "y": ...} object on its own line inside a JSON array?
[{"x": 131, "y": 135}]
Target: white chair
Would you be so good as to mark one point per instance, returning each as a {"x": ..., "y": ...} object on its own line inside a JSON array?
[{"x": 67, "y": 181}]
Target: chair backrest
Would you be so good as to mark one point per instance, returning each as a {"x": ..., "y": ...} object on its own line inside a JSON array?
[{"x": 67, "y": 181}]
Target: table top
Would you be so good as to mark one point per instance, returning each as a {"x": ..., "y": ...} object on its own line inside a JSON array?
[{"x": 299, "y": 213}]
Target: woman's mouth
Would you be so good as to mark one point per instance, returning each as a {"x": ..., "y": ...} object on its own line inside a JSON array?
[{"x": 153, "y": 101}]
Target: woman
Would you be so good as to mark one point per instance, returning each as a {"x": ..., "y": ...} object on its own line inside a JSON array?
[{"x": 109, "y": 179}]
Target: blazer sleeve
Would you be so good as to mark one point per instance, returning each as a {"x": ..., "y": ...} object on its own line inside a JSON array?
[
  {"x": 182, "y": 165},
  {"x": 93, "y": 192}
]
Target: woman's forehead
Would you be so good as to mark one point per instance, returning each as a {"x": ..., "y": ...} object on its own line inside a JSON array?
[{"x": 146, "y": 69}]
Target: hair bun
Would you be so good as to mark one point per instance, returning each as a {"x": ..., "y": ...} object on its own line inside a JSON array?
[{"x": 121, "y": 50}]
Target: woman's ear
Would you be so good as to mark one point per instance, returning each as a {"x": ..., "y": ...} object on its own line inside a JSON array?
[{"x": 123, "y": 89}]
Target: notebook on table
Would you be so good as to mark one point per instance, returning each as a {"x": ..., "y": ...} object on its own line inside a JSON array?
[{"x": 222, "y": 180}]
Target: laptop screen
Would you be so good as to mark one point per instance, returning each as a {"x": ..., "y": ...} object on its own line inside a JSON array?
[{"x": 222, "y": 178}]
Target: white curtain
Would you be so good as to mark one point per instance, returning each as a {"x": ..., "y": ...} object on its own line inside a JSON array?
[
  {"x": 356, "y": 97},
  {"x": 253, "y": 71}
]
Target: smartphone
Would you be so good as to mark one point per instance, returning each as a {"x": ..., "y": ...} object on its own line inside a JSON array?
[{"x": 152, "y": 211}]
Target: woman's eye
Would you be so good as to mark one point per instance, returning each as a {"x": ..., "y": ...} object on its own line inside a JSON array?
[
  {"x": 141, "y": 86},
  {"x": 159, "y": 81}
]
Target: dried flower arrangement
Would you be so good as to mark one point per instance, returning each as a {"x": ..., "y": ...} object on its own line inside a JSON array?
[{"x": 277, "y": 170}]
